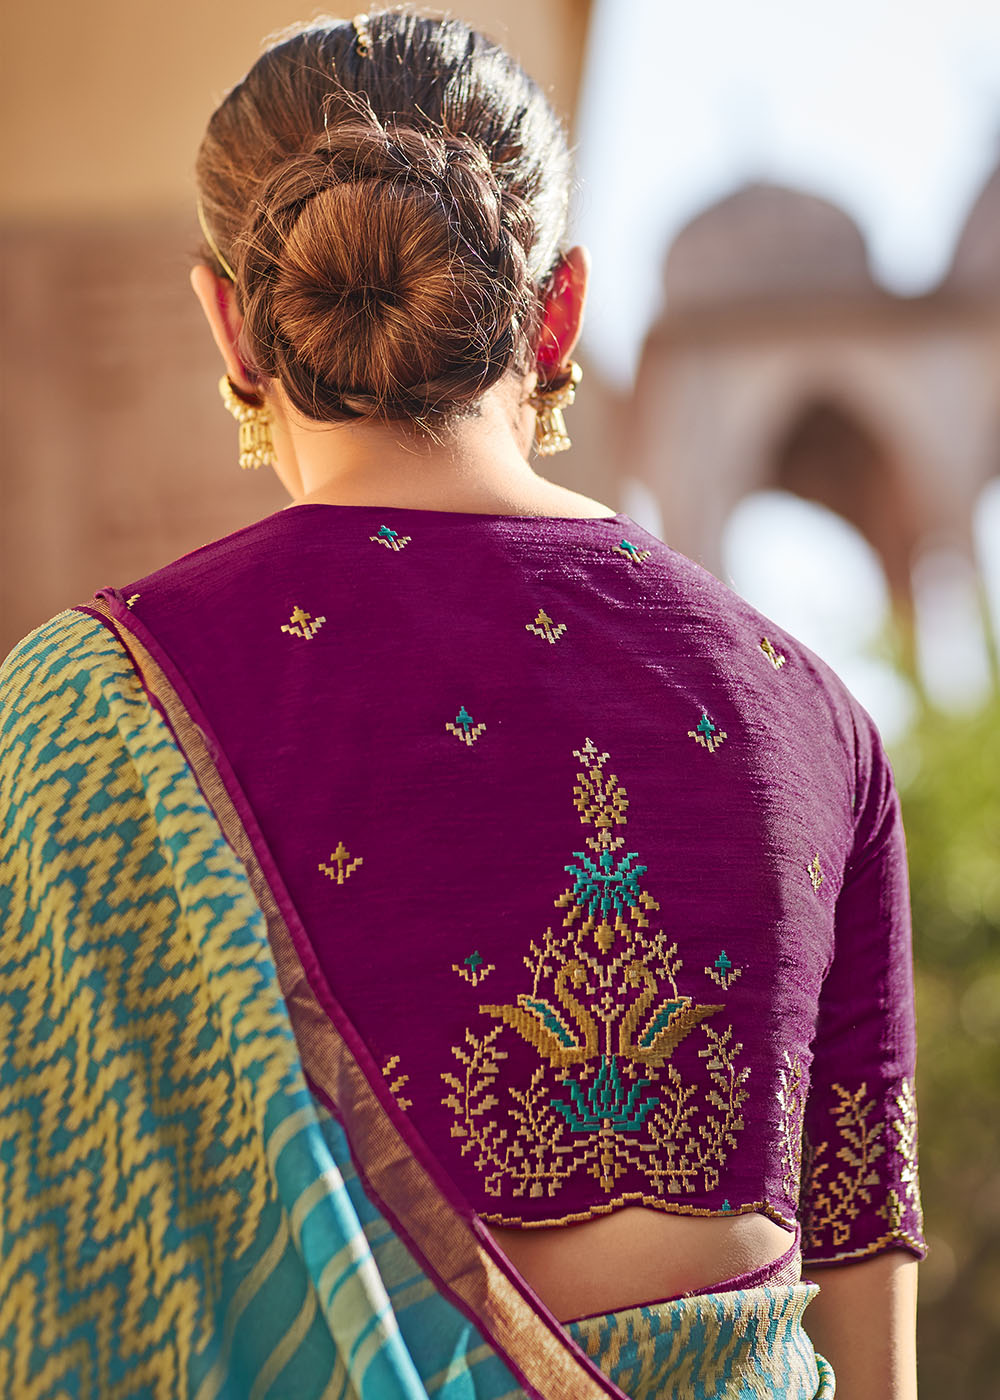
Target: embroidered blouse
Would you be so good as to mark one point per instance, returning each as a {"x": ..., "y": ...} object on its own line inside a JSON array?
[{"x": 605, "y": 869}]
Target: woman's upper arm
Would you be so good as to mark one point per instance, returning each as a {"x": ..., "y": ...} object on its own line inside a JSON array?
[{"x": 863, "y": 1321}]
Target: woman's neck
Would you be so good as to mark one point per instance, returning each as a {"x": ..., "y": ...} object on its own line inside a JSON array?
[{"x": 479, "y": 464}]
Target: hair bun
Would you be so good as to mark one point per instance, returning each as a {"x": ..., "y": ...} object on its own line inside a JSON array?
[{"x": 385, "y": 273}]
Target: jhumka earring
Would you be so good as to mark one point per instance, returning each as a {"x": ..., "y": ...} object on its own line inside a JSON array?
[
  {"x": 256, "y": 447},
  {"x": 550, "y": 400}
]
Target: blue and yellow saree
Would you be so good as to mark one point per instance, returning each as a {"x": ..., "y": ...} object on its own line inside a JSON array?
[{"x": 202, "y": 1193}]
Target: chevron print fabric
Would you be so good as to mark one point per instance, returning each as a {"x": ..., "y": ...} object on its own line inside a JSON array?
[
  {"x": 181, "y": 1217},
  {"x": 175, "y": 1219}
]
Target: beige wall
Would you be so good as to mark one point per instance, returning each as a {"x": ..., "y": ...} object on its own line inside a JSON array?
[
  {"x": 118, "y": 455},
  {"x": 103, "y": 104}
]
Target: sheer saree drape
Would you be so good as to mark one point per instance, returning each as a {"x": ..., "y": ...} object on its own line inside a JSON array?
[{"x": 180, "y": 1123}]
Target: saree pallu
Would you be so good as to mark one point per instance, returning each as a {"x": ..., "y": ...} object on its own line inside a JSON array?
[{"x": 202, "y": 1191}]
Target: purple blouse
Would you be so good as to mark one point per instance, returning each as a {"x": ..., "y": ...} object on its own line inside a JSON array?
[{"x": 606, "y": 870}]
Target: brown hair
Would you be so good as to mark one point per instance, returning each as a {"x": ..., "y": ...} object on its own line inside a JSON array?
[{"x": 392, "y": 217}]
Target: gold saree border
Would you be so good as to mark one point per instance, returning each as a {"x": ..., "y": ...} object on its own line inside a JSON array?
[{"x": 539, "y": 1351}]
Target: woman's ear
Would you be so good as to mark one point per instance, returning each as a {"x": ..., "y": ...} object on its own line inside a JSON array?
[
  {"x": 218, "y": 301},
  {"x": 562, "y": 319}
]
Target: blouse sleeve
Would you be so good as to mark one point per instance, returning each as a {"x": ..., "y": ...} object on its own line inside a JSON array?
[{"x": 860, "y": 1191}]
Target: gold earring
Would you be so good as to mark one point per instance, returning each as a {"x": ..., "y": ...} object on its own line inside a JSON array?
[
  {"x": 550, "y": 400},
  {"x": 256, "y": 447}
]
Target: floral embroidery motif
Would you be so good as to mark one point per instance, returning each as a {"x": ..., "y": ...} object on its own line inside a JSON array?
[
  {"x": 543, "y": 626},
  {"x": 474, "y": 969},
  {"x": 345, "y": 866},
  {"x": 631, "y": 551},
  {"x": 603, "y": 1015},
  {"x": 707, "y": 734},
  {"x": 834, "y": 1203},
  {"x": 303, "y": 624},
  {"x": 722, "y": 972},
  {"x": 815, "y": 872},
  {"x": 392, "y": 539},
  {"x": 830, "y": 1205},
  {"x": 791, "y": 1097},
  {"x": 776, "y": 658},
  {"x": 903, "y": 1140},
  {"x": 464, "y": 727},
  {"x": 134, "y": 599},
  {"x": 398, "y": 1083}
]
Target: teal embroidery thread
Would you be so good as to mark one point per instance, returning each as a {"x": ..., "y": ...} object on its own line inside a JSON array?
[
  {"x": 473, "y": 969},
  {"x": 391, "y": 538},
  {"x": 464, "y": 728},
  {"x": 631, "y": 551},
  {"x": 707, "y": 734},
  {"x": 722, "y": 971}
]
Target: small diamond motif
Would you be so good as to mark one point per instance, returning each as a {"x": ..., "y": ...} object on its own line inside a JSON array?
[
  {"x": 464, "y": 728},
  {"x": 709, "y": 735},
  {"x": 631, "y": 551},
  {"x": 302, "y": 624},
  {"x": 391, "y": 538},
  {"x": 543, "y": 626},
  {"x": 345, "y": 866}
]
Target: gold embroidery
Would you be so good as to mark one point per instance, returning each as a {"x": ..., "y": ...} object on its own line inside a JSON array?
[
  {"x": 545, "y": 627},
  {"x": 631, "y": 551},
  {"x": 398, "y": 1083},
  {"x": 815, "y": 872},
  {"x": 722, "y": 972},
  {"x": 835, "y": 1203},
  {"x": 303, "y": 624},
  {"x": 903, "y": 1140},
  {"x": 473, "y": 970},
  {"x": 707, "y": 734},
  {"x": 134, "y": 599},
  {"x": 390, "y": 538},
  {"x": 776, "y": 658},
  {"x": 638, "y": 1198},
  {"x": 604, "y": 1017},
  {"x": 464, "y": 727},
  {"x": 792, "y": 1099},
  {"x": 345, "y": 866}
]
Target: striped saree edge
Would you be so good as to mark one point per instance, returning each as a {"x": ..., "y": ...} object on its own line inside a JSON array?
[{"x": 452, "y": 1247}]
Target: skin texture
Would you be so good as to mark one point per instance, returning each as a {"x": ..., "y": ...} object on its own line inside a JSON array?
[{"x": 863, "y": 1320}]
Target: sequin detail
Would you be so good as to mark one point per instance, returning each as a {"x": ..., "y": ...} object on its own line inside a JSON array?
[
  {"x": 345, "y": 865},
  {"x": 303, "y": 624},
  {"x": 708, "y": 734},
  {"x": 390, "y": 538},
  {"x": 464, "y": 727},
  {"x": 543, "y": 626}
]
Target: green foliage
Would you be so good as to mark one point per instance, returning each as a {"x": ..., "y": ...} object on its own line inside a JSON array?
[{"x": 949, "y": 777}]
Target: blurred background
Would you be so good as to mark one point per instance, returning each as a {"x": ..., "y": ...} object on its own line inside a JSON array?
[{"x": 792, "y": 374}]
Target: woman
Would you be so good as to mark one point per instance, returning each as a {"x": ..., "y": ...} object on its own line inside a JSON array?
[{"x": 453, "y": 946}]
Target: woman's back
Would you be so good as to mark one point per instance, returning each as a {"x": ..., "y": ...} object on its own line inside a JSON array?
[{"x": 574, "y": 835}]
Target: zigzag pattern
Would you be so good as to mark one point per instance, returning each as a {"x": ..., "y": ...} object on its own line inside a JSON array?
[
  {"x": 748, "y": 1344},
  {"x": 174, "y": 1222},
  {"x": 180, "y": 1217}
]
